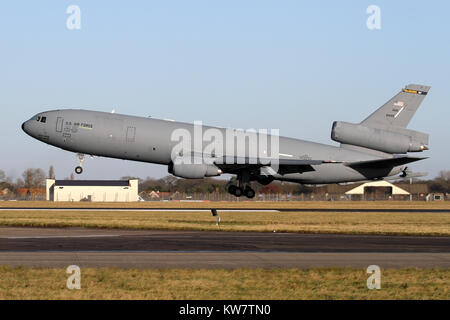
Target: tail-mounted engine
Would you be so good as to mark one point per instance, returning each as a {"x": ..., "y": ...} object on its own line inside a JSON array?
[{"x": 389, "y": 139}]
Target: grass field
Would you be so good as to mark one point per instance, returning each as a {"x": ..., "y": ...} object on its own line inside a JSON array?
[
  {"x": 319, "y": 283},
  {"x": 316, "y": 283},
  {"x": 388, "y": 223}
]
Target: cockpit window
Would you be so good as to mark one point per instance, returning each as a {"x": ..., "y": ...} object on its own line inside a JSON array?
[
  {"x": 38, "y": 118},
  {"x": 43, "y": 119}
]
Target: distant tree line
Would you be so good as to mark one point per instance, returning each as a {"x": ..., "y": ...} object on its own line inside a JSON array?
[
  {"x": 209, "y": 185},
  {"x": 34, "y": 178},
  {"x": 31, "y": 178},
  {"x": 172, "y": 184},
  {"x": 441, "y": 183}
]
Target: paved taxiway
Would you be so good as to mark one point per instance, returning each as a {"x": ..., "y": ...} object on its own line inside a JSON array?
[{"x": 60, "y": 247}]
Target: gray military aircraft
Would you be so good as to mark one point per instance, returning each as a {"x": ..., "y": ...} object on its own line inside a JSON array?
[{"x": 374, "y": 149}]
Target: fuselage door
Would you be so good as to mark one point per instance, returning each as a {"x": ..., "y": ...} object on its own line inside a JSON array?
[
  {"x": 131, "y": 134},
  {"x": 59, "y": 124}
]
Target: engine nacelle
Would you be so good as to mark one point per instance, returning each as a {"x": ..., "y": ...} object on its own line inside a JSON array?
[
  {"x": 193, "y": 171},
  {"x": 265, "y": 180},
  {"x": 379, "y": 139}
]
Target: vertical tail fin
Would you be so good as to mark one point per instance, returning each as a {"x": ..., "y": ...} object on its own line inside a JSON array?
[
  {"x": 399, "y": 110},
  {"x": 385, "y": 129}
]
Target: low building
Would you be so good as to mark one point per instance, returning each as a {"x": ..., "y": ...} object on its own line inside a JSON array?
[
  {"x": 92, "y": 190},
  {"x": 435, "y": 197},
  {"x": 378, "y": 190}
]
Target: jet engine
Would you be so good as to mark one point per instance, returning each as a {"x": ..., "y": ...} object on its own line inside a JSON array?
[
  {"x": 390, "y": 140},
  {"x": 264, "y": 180},
  {"x": 194, "y": 170}
]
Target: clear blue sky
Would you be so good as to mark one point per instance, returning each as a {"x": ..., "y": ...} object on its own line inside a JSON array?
[{"x": 291, "y": 65}]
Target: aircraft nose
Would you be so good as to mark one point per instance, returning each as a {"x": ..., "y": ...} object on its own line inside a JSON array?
[{"x": 26, "y": 127}]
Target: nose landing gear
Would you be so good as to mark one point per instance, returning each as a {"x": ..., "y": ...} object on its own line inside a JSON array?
[{"x": 79, "y": 169}]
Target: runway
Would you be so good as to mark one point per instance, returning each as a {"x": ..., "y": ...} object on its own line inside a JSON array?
[
  {"x": 59, "y": 247},
  {"x": 224, "y": 209}
]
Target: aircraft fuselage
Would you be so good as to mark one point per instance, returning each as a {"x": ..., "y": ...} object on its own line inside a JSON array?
[{"x": 150, "y": 140}]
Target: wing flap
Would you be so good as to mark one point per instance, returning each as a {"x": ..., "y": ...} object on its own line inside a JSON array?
[
  {"x": 285, "y": 166},
  {"x": 384, "y": 163}
]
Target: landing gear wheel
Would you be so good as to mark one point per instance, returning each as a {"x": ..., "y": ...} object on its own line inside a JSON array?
[
  {"x": 79, "y": 169},
  {"x": 238, "y": 192},
  {"x": 249, "y": 193},
  {"x": 235, "y": 190},
  {"x": 232, "y": 189}
]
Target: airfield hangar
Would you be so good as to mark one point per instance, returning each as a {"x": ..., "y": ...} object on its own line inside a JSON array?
[{"x": 92, "y": 190}]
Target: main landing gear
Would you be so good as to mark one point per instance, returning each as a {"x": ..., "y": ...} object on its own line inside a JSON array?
[
  {"x": 79, "y": 169},
  {"x": 238, "y": 191},
  {"x": 243, "y": 187}
]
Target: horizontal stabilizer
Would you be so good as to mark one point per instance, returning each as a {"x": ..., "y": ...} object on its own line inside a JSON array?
[
  {"x": 383, "y": 163},
  {"x": 408, "y": 176}
]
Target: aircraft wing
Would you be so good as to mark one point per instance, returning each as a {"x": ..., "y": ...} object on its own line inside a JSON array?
[
  {"x": 236, "y": 164},
  {"x": 383, "y": 163}
]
